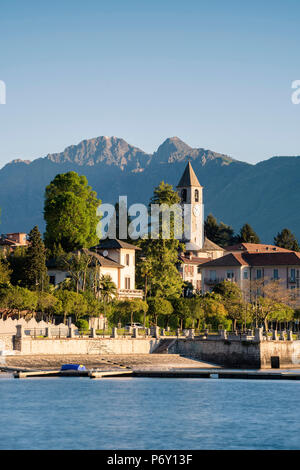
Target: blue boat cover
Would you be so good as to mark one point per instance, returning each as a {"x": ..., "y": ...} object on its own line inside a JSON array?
[{"x": 72, "y": 367}]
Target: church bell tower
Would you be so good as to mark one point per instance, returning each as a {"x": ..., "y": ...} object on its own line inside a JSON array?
[{"x": 191, "y": 195}]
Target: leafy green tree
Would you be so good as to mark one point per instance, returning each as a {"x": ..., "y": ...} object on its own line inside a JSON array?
[
  {"x": 158, "y": 265},
  {"x": 140, "y": 307},
  {"x": 70, "y": 213},
  {"x": 35, "y": 262},
  {"x": 270, "y": 310},
  {"x": 196, "y": 310},
  {"x": 48, "y": 304},
  {"x": 73, "y": 303},
  {"x": 247, "y": 235},
  {"x": 159, "y": 306},
  {"x": 19, "y": 299},
  {"x": 286, "y": 239},
  {"x": 95, "y": 306},
  {"x": 182, "y": 310},
  {"x": 215, "y": 313},
  {"x": 131, "y": 310},
  {"x": 232, "y": 298}
]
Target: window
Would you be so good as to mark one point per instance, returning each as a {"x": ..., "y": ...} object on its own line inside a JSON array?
[
  {"x": 127, "y": 282},
  {"x": 212, "y": 275},
  {"x": 230, "y": 275},
  {"x": 245, "y": 275},
  {"x": 52, "y": 280},
  {"x": 275, "y": 274},
  {"x": 293, "y": 274},
  {"x": 258, "y": 274},
  {"x": 183, "y": 195},
  {"x": 196, "y": 195},
  {"x": 127, "y": 260},
  {"x": 189, "y": 269}
]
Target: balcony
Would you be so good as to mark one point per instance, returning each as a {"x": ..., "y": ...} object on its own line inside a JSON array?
[
  {"x": 213, "y": 282},
  {"x": 130, "y": 294}
]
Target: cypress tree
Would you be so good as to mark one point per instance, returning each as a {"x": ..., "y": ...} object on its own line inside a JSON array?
[{"x": 36, "y": 276}]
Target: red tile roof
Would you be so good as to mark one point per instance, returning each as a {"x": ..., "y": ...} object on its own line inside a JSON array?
[
  {"x": 273, "y": 259},
  {"x": 289, "y": 258},
  {"x": 228, "y": 260},
  {"x": 194, "y": 260},
  {"x": 256, "y": 247}
]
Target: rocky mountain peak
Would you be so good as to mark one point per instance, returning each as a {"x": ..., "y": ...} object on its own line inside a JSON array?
[{"x": 103, "y": 149}]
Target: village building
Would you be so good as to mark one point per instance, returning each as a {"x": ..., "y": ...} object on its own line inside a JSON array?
[
  {"x": 249, "y": 268},
  {"x": 111, "y": 257},
  {"x": 10, "y": 241},
  {"x": 204, "y": 264}
]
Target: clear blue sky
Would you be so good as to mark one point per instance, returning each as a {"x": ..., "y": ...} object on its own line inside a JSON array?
[{"x": 216, "y": 74}]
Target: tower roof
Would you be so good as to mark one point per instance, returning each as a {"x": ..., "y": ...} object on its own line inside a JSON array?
[{"x": 188, "y": 178}]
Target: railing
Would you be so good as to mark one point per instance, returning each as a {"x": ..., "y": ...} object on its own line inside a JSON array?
[
  {"x": 58, "y": 332},
  {"x": 212, "y": 282},
  {"x": 130, "y": 294}
]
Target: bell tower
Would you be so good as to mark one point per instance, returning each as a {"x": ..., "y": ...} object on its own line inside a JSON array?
[{"x": 191, "y": 195}]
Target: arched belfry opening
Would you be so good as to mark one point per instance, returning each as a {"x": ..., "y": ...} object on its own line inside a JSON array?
[{"x": 183, "y": 195}]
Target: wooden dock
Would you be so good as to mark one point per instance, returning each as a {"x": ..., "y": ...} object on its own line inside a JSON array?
[
  {"x": 93, "y": 374},
  {"x": 50, "y": 373},
  {"x": 218, "y": 373},
  {"x": 109, "y": 373}
]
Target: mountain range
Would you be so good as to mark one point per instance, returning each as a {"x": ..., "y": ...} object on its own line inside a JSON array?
[{"x": 265, "y": 195}]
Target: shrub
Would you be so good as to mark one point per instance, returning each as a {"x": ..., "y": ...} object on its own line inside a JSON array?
[{"x": 82, "y": 324}]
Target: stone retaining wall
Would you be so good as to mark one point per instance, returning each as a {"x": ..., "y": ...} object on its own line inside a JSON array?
[
  {"x": 239, "y": 354},
  {"x": 6, "y": 342},
  {"x": 224, "y": 352},
  {"x": 287, "y": 351},
  {"x": 85, "y": 345}
]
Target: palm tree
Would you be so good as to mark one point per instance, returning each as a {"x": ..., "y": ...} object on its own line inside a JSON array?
[{"x": 108, "y": 288}]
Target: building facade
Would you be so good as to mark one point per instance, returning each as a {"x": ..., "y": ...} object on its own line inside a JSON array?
[
  {"x": 111, "y": 257},
  {"x": 10, "y": 241},
  {"x": 252, "y": 269}
]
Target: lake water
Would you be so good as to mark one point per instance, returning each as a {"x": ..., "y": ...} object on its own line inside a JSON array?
[{"x": 146, "y": 413}]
